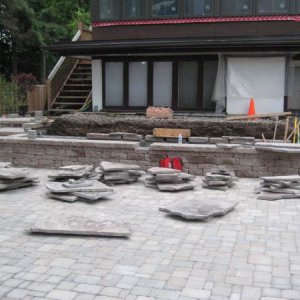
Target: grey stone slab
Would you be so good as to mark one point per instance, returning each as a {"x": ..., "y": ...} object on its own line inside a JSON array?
[
  {"x": 198, "y": 140},
  {"x": 154, "y": 139},
  {"x": 80, "y": 225},
  {"x": 77, "y": 168},
  {"x": 108, "y": 166},
  {"x": 165, "y": 187},
  {"x": 216, "y": 188},
  {"x": 242, "y": 140},
  {"x": 215, "y": 141},
  {"x": 295, "y": 178},
  {"x": 229, "y": 146},
  {"x": 170, "y": 178},
  {"x": 92, "y": 196},
  {"x": 98, "y": 136},
  {"x": 71, "y": 183},
  {"x": 16, "y": 185},
  {"x": 276, "y": 196},
  {"x": 57, "y": 187},
  {"x": 116, "y": 176},
  {"x": 13, "y": 173},
  {"x": 215, "y": 182},
  {"x": 157, "y": 170},
  {"x": 186, "y": 176},
  {"x": 62, "y": 197},
  {"x": 278, "y": 149},
  {"x": 5, "y": 164},
  {"x": 201, "y": 209}
]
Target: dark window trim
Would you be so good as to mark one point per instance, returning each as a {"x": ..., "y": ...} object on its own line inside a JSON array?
[
  {"x": 293, "y": 8},
  {"x": 150, "y": 60},
  {"x": 186, "y": 15}
]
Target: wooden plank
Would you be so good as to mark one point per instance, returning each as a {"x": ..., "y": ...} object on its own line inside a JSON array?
[
  {"x": 246, "y": 117},
  {"x": 171, "y": 132}
]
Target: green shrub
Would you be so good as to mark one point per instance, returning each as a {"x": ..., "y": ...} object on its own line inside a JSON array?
[{"x": 9, "y": 96}]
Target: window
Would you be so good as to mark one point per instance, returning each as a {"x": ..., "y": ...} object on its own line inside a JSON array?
[
  {"x": 272, "y": 6},
  {"x": 162, "y": 8},
  {"x": 114, "y": 84},
  {"x": 108, "y": 9},
  {"x": 297, "y": 6},
  {"x": 198, "y": 7},
  {"x": 133, "y": 8},
  {"x": 230, "y": 7},
  {"x": 188, "y": 84},
  {"x": 138, "y": 80},
  {"x": 162, "y": 83}
]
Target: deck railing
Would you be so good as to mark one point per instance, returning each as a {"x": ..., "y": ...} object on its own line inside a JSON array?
[{"x": 63, "y": 68}]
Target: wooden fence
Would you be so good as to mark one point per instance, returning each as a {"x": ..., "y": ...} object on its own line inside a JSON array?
[{"x": 37, "y": 98}]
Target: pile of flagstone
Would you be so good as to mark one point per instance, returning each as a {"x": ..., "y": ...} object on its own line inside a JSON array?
[
  {"x": 169, "y": 180},
  {"x": 219, "y": 180},
  {"x": 74, "y": 190},
  {"x": 279, "y": 187},
  {"x": 117, "y": 173},
  {"x": 14, "y": 178},
  {"x": 74, "y": 172}
]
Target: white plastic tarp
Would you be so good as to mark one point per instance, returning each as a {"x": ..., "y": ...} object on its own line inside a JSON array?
[{"x": 261, "y": 78}]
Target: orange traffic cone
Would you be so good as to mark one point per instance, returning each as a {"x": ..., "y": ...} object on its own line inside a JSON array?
[{"x": 251, "y": 111}]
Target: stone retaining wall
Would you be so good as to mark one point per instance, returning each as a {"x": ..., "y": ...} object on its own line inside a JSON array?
[{"x": 197, "y": 159}]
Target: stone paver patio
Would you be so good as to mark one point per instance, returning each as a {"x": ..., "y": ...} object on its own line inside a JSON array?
[{"x": 251, "y": 253}]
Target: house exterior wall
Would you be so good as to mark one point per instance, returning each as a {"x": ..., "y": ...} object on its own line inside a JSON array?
[{"x": 213, "y": 30}]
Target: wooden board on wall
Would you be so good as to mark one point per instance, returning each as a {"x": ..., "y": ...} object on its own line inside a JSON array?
[{"x": 171, "y": 132}]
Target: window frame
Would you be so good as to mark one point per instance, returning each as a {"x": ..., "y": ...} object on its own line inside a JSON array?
[
  {"x": 236, "y": 13},
  {"x": 150, "y": 77},
  {"x": 187, "y": 15},
  {"x": 289, "y": 9},
  {"x": 143, "y": 11},
  {"x": 178, "y": 15},
  {"x": 116, "y": 3}
]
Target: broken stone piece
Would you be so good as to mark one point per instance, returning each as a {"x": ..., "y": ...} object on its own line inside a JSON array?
[
  {"x": 80, "y": 225},
  {"x": 200, "y": 210}
]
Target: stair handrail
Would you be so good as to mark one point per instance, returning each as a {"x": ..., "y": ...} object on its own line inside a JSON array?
[{"x": 62, "y": 70}]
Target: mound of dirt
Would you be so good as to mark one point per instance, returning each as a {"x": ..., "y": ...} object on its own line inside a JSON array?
[{"x": 80, "y": 124}]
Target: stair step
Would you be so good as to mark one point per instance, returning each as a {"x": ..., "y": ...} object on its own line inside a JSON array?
[
  {"x": 79, "y": 84},
  {"x": 68, "y": 103},
  {"x": 71, "y": 97},
  {"x": 75, "y": 91},
  {"x": 81, "y": 73},
  {"x": 63, "y": 110},
  {"x": 79, "y": 79}
]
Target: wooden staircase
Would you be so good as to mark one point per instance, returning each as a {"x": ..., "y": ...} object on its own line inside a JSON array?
[{"x": 75, "y": 91}]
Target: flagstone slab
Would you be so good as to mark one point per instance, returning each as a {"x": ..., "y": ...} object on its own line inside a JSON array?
[
  {"x": 58, "y": 187},
  {"x": 157, "y": 170},
  {"x": 13, "y": 173},
  {"x": 62, "y": 197},
  {"x": 200, "y": 210},
  {"x": 77, "y": 168},
  {"x": 109, "y": 167},
  {"x": 92, "y": 196},
  {"x": 80, "y": 225},
  {"x": 165, "y": 187}
]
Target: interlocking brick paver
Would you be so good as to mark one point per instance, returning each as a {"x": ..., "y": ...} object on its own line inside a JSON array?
[{"x": 251, "y": 253}]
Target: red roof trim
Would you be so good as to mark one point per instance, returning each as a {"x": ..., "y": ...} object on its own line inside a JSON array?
[{"x": 295, "y": 18}]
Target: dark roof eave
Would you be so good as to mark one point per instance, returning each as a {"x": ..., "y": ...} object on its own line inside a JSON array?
[{"x": 170, "y": 45}]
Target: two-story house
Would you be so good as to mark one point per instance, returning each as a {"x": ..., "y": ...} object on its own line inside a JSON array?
[{"x": 193, "y": 55}]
